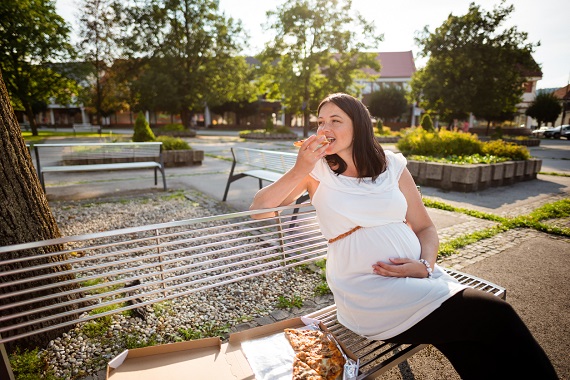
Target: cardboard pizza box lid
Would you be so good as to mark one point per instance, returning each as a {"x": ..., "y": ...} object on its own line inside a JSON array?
[{"x": 198, "y": 359}]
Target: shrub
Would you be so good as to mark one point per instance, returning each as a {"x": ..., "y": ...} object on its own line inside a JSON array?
[
  {"x": 427, "y": 123},
  {"x": 173, "y": 143},
  {"x": 501, "y": 148},
  {"x": 417, "y": 140},
  {"x": 174, "y": 127},
  {"x": 143, "y": 133},
  {"x": 457, "y": 143},
  {"x": 283, "y": 129}
]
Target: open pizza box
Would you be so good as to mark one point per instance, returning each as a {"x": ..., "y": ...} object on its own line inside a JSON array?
[{"x": 211, "y": 359}]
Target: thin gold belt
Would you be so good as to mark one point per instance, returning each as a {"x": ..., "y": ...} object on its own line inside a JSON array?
[{"x": 342, "y": 236}]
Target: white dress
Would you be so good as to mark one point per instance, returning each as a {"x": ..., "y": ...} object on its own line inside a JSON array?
[{"x": 371, "y": 305}]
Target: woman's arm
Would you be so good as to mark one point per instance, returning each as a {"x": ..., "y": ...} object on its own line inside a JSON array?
[
  {"x": 294, "y": 182},
  {"x": 422, "y": 225}
]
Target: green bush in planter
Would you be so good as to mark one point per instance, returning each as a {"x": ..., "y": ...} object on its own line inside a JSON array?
[
  {"x": 173, "y": 127},
  {"x": 458, "y": 143},
  {"x": 417, "y": 140},
  {"x": 502, "y": 148},
  {"x": 283, "y": 129},
  {"x": 143, "y": 133},
  {"x": 173, "y": 143}
]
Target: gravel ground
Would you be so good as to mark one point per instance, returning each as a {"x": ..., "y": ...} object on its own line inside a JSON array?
[{"x": 76, "y": 355}]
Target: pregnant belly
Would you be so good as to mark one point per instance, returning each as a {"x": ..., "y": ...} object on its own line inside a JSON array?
[{"x": 356, "y": 253}]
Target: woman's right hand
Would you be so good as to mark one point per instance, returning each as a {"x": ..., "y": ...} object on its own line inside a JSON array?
[
  {"x": 310, "y": 153},
  {"x": 295, "y": 182}
]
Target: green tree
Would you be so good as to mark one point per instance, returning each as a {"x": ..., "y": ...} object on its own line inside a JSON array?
[
  {"x": 318, "y": 47},
  {"x": 545, "y": 108},
  {"x": 475, "y": 64},
  {"x": 98, "y": 30},
  {"x": 34, "y": 41},
  {"x": 388, "y": 102},
  {"x": 189, "y": 53},
  {"x": 427, "y": 123},
  {"x": 142, "y": 131}
]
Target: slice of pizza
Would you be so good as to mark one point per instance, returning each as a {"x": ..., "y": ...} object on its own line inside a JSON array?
[
  {"x": 316, "y": 351},
  {"x": 302, "y": 371}
]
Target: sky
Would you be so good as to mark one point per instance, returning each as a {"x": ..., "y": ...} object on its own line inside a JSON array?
[{"x": 545, "y": 21}]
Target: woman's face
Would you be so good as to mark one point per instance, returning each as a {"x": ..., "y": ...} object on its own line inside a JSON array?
[{"x": 336, "y": 125}]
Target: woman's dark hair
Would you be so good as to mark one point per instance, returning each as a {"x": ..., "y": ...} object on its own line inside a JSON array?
[{"x": 367, "y": 153}]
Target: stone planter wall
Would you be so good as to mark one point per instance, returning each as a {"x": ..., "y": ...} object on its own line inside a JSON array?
[
  {"x": 468, "y": 178},
  {"x": 171, "y": 158}
]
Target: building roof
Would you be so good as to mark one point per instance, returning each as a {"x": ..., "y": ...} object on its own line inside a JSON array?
[
  {"x": 563, "y": 92},
  {"x": 397, "y": 64}
]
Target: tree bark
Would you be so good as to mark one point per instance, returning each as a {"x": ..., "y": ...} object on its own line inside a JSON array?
[{"x": 25, "y": 216}]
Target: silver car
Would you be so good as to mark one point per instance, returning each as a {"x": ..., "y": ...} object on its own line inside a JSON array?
[{"x": 557, "y": 131}]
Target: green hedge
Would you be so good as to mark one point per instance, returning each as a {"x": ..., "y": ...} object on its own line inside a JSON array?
[
  {"x": 444, "y": 144},
  {"x": 173, "y": 143}
]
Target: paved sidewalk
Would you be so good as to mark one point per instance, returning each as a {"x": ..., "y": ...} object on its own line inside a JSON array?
[{"x": 533, "y": 266}]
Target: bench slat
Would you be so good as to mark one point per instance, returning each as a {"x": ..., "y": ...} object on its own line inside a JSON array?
[{"x": 80, "y": 168}]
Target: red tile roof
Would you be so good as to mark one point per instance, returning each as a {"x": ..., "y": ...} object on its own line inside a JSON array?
[
  {"x": 396, "y": 64},
  {"x": 563, "y": 92}
]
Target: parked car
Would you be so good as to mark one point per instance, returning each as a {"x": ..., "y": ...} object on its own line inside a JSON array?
[
  {"x": 557, "y": 131},
  {"x": 539, "y": 132},
  {"x": 565, "y": 133}
]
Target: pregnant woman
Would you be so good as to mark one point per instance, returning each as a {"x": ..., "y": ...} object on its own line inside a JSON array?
[{"x": 382, "y": 252}]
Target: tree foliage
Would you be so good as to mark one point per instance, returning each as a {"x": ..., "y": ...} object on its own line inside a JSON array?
[
  {"x": 475, "y": 64},
  {"x": 545, "y": 108},
  {"x": 188, "y": 55},
  {"x": 99, "y": 32},
  {"x": 388, "y": 102},
  {"x": 318, "y": 48},
  {"x": 34, "y": 41}
]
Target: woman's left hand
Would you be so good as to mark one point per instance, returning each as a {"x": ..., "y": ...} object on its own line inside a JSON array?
[{"x": 401, "y": 267}]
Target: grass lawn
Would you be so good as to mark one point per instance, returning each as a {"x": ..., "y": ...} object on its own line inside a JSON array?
[{"x": 43, "y": 135}]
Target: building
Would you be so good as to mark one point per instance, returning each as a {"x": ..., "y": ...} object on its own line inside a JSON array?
[{"x": 396, "y": 69}]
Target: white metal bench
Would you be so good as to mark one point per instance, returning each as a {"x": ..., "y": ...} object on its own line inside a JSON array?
[
  {"x": 265, "y": 165},
  {"x": 78, "y": 157},
  {"x": 166, "y": 262}
]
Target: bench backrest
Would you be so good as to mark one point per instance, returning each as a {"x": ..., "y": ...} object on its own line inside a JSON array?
[
  {"x": 100, "y": 274},
  {"x": 96, "y": 153},
  {"x": 272, "y": 160}
]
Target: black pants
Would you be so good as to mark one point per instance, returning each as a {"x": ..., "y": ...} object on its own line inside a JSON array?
[{"x": 483, "y": 337}]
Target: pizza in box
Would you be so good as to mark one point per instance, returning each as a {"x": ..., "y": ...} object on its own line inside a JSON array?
[{"x": 317, "y": 357}]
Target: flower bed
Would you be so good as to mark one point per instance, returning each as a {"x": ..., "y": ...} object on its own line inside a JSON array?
[{"x": 473, "y": 177}]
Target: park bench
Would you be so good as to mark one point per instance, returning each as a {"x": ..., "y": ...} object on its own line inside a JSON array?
[
  {"x": 81, "y": 157},
  {"x": 265, "y": 165},
  {"x": 135, "y": 267}
]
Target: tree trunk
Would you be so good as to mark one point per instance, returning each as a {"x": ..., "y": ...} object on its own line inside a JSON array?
[
  {"x": 31, "y": 117},
  {"x": 25, "y": 216},
  {"x": 185, "y": 116}
]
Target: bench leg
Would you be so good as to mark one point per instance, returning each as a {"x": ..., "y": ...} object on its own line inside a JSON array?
[
  {"x": 163, "y": 172},
  {"x": 260, "y": 184},
  {"x": 300, "y": 200}
]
